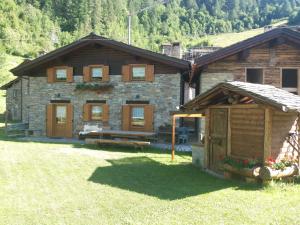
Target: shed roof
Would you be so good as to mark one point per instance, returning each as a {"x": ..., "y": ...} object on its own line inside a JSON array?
[
  {"x": 93, "y": 38},
  {"x": 9, "y": 84},
  {"x": 260, "y": 93}
]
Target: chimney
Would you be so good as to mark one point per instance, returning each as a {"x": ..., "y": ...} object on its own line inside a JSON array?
[
  {"x": 176, "y": 50},
  {"x": 167, "y": 49},
  {"x": 173, "y": 49}
]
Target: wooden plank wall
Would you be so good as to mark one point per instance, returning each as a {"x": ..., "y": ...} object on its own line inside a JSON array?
[
  {"x": 282, "y": 123},
  {"x": 271, "y": 59},
  {"x": 247, "y": 132},
  {"x": 91, "y": 55}
]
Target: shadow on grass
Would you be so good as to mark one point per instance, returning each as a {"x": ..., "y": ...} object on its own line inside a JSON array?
[{"x": 167, "y": 182}]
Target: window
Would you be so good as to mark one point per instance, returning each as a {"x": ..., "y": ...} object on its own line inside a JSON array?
[
  {"x": 97, "y": 73},
  {"x": 96, "y": 112},
  {"x": 61, "y": 74},
  {"x": 138, "y": 116},
  {"x": 254, "y": 76},
  {"x": 138, "y": 73},
  {"x": 15, "y": 93},
  {"x": 61, "y": 114},
  {"x": 289, "y": 80}
]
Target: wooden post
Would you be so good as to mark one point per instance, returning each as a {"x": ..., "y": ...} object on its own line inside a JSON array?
[
  {"x": 229, "y": 132},
  {"x": 268, "y": 133},
  {"x": 173, "y": 135},
  {"x": 6, "y": 121},
  {"x": 207, "y": 138}
]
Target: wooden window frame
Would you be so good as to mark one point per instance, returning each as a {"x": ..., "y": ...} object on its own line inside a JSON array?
[
  {"x": 263, "y": 73},
  {"x": 91, "y": 67},
  {"x": 132, "y": 127},
  {"x": 91, "y": 111},
  {"x": 60, "y": 68},
  {"x": 136, "y": 66},
  {"x": 297, "y": 89}
]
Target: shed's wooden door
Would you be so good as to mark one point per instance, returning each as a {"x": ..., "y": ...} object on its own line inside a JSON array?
[{"x": 217, "y": 137}]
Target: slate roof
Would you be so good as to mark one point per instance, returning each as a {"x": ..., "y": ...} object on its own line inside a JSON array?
[
  {"x": 283, "y": 32},
  {"x": 9, "y": 84},
  {"x": 93, "y": 38},
  {"x": 262, "y": 94}
]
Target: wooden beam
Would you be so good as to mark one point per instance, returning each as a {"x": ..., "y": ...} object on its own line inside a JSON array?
[
  {"x": 268, "y": 134},
  {"x": 229, "y": 132},
  {"x": 188, "y": 115},
  {"x": 277, "y": 41},
  {"x": 173, "y": 136},
  {"x": 243, "y": 55},
  {"x": 207, "y": 139}
]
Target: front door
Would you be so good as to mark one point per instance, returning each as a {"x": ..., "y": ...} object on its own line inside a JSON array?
[
  {"x": 60, "y": 123},
  {"x": 217, "y": 138},
  {"x": 59, "y": 120}
]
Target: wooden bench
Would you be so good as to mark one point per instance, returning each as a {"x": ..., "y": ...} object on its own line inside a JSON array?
[
  {"x": 16, "y": 129},
  {"x": 131, "y": 143},
  {"x": 110, "y": 134}
]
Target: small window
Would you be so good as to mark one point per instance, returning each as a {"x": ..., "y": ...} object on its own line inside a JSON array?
[
  {"x": 96, "y": 73},
  {"x": 61, "y": 74},
  {"x": 96, "y": 112},
  {"x": 289, "y": 80},
  {"x": 61, "y": 114},
  {"x": 254, "y": 76},
  {"x": 15, "y": 93},
  {"x": 138, "y": 117},
  {"x": 138, "y": 73}
]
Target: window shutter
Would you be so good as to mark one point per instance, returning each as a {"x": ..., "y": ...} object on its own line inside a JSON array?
[
  {"x": 70, "y": 74},
  {"x": 149, "y": 115},
  {"x": 125, "y": 117},
  {"x": 69, "y": 121},
  {"x": 150, "y": 73},
  {"x": 105, "y": 117},
  {"x": 126, "y": 73},
  {"x": 50, "y": 119},
  {"x": 86, "y": 74},
  {"x": 105, "y": 73},
  {"x": 86, "y": 112},
  {"x": 51, "y": 75}
]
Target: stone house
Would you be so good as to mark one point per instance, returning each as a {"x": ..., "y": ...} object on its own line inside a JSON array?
[
  {"x": 102, "y": 82},
  {"x": 269, "y": 58},
  {"x": 13, "y": 99}
]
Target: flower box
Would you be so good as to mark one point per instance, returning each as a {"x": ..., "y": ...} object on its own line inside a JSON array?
[
  {"x": 246, "y": 172},
  {"x": 94, "y": 86},
  {"x": 268, "y": 173}
]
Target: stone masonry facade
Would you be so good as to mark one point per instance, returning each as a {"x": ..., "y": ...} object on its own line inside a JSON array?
[
  {"x": 13, "y": 101},
  {"x": 163, "y": 94}
]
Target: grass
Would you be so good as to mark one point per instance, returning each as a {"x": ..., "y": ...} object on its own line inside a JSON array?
[
  {"x": 226, "y": 39},
  {"x": 42, "y": 183}
]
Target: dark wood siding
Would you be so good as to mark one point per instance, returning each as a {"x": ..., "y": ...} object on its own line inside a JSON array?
[
  {"x": 270, "y": 59},
  {"x": 247, "y": 133},
  {"x": 96, "y": 54}
]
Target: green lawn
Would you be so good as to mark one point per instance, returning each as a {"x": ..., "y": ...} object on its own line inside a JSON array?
[{"x": 71, "y": 184}]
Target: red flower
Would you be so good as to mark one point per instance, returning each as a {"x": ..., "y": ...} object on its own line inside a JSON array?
[{"x": 245, "y": 161}]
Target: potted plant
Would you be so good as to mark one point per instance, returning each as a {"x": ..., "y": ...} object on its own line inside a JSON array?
[{"x": 243, "y": 167}]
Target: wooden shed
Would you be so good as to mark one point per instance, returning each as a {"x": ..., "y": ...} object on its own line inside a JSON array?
[{"x": 246, "y": 121}]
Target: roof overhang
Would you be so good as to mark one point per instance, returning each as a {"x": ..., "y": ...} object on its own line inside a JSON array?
[
  {"x": 277, "y": 33},
  {"x": 95, "y": 39}
]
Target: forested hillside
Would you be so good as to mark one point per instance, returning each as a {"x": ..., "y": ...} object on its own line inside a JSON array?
[{"x": 28, "y": 27}]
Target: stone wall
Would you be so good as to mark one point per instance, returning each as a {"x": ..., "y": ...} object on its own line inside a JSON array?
[
  {"x": 163, "y": 93},
  {"x": 208, "y": 80},
  {"x": 13, "y": 101}
]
